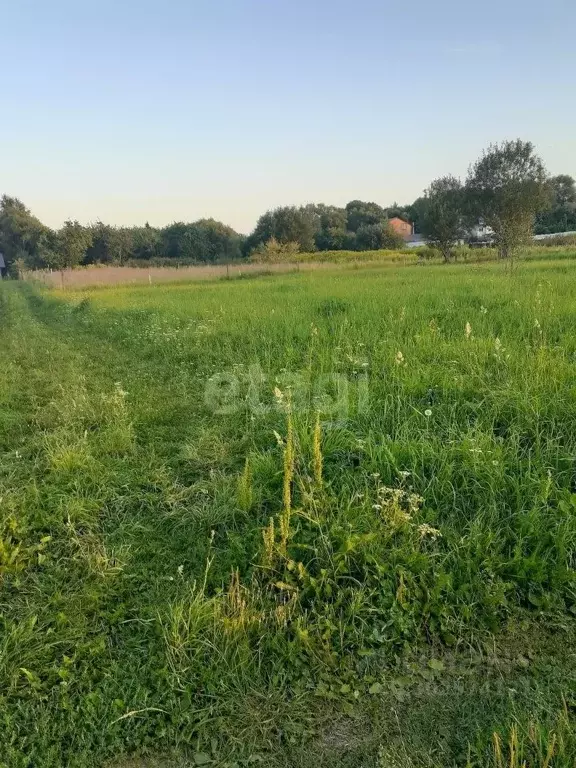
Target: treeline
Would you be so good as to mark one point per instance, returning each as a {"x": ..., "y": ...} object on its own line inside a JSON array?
[
  {"x": 508, "y": 190},
  {"x": 359, "y": 226},
  {"x": 29, "y": 244}
]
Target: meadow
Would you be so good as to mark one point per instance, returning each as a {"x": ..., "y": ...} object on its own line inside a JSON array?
[
  {"x": 324, "y": 518},
  {"x": 163, "y": 270}
]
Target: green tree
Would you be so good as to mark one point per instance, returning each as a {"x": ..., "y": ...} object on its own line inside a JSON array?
[
  {"x": 219, "y": 242},
  {"x": 22, "y": 235},
  {"x": 203, "y": 241},
  {"x": 416, "y": 212},
  {"x": 398, "y": 211},
  {"x": 110, "y": 245},
  {"x": 563, "y": 190},
  {"x": 561, "y": 217},
  {"x": 288, "y": 224},
  {"x": 146, "y": 242},
  {"x": 507, "y": 187},
  {"x": 371, "y": 237},
  {"x": 331, "y": 234},
  {"x": 442, "y": 221},
  {"x": 361, "y": 214},
  {"x": 67, "y": 248}
]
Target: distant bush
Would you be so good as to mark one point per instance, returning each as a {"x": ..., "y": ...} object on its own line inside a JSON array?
[{"x": 272, "y": 251}]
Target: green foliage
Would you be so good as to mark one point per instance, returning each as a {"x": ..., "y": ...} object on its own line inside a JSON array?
[
  {"x": 361, "y": 214},
  {"x": 274, "y": 252},
  {"x": 561, "y": 216},
  {"x": 70, "y": 246},
  {"x": 360, "y": 226},
  {"x": 442, "y": 221},
  {"x": 507, "y": 187},
  {"x": 288, "y": 224},
  {"x": 370, "y": 237},
  {"x": 22, "y": 235},
  {"x": 110, "y": 245},
  {"x": 204, "y": 241}
]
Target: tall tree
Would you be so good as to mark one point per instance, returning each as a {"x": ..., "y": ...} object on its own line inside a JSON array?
[
  {"x": 145, "y": 242},
  {"x": 371, "y": 237},
  {"x": 205, "y": 240},
  {"x": 442, "y": 221},
  {"x": 22, "y": 235},
  {"x": 331, "y": 235},
  {"x": 110, "y": 245},
  {"x": 561, "y": 217},
  {"x": 67, "y": 248},
  {"x": 416, "y": 212},
  {"x": 288, "y": 224},
  {"x": 563, "y": 190},
  {"x": 361, "y": 214},
  {"x": 507, "y": 187}
]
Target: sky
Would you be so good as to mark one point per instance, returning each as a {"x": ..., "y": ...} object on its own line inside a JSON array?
[{"x": 129, "y": 111}]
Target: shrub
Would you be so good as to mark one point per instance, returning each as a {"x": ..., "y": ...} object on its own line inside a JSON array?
[{"x": 273, "y": 251}]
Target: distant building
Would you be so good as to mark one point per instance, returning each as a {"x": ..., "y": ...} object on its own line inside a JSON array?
[
  {"x": 416, "y": 241},
  {"x": 401, "y": 227},
  {"x": 481, "y": 233}
]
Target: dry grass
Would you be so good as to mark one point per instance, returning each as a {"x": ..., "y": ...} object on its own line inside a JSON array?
[{"x": 95, "y": 275}]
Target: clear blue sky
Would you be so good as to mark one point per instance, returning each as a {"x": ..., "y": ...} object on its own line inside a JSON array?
[{"x": 129, "y": 110}]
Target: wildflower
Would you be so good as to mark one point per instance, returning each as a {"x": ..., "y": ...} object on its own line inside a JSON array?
[
  {"x": 536, "y": 323},
  {"x": 404, "y": 473},
  {"x": 483, "y": 310},
  {"x": 278, "y": 394},
  {"x": 399, "y": 358},
  {"x": 428, "y": 412},
  {"x": 426, "y": 530},
  {"x": 180, "y": 570},
  {"x": 498, "y": 345},
  {"x": 468, "y": 330}
]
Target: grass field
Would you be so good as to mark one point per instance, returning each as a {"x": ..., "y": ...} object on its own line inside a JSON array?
[
  {"x": 168, "y": 271},
  {"x": 325, "y": 518}
]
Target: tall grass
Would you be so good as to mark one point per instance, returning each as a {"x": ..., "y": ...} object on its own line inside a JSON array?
[{"x": 385, "y": 469}]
